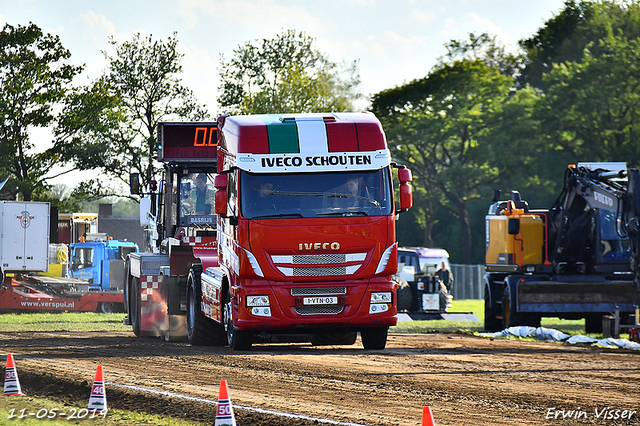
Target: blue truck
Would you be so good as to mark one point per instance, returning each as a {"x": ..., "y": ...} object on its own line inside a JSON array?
[{"x": 99, "y": 260}]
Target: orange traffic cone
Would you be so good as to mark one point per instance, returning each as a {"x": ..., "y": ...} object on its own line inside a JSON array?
[
  {"x": 427, "y": 417},
  {"x": 11, "y": 381},
  {"x": 224, "y": 416},
  {"x": 98, "y": 398}
]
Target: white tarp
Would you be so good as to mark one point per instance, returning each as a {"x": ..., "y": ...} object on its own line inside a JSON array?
[{"x": 551, "y": 335}]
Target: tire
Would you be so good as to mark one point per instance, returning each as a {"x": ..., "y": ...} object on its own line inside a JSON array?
[
  {"x": 325, "y": 339},
  {"x": 125, "y": 290},
  {"x": 491, "y": 312},
  {"x": 374, "y": 337},
  {"x": 510, "y": 318},
  {"x": 236, "y": 339},
  {"x": 107, "y": 308},
  {"x": 201, "y": 331},
  {"x": 135, "y": 306},
  {"x": 593, "y": 323},
  {"x": 403, "y": 294}
]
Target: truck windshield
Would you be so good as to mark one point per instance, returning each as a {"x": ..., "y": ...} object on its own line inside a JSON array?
[
  {"x": 82, "y": 258},
  {"x": 196, "y": 199},
  {"x": 294, "y": 195}
]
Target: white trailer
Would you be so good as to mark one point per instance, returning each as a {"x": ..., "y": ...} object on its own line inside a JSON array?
[{"x": 24, "y": 236}]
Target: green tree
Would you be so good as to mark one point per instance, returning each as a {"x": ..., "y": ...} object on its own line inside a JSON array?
[
  {"x": 592, "y": 107},
  {"x": 564, "y": 37},
  {"x": 286, "y": 74},
  {"x": 441, "y": 127},
  {"x": 143, "y": 75},
  {"x": 486, "y": 49},
  {"x": 34, "y": 82}
]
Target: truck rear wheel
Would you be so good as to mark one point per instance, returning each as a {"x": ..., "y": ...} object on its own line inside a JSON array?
[
  {"x": 135, "y": 305},
  {"x": 237, "y": 340},
  {"x": 374, "y": 337},
  {"x": 201, "y": 331},
  {"x": 593, "y": 323},
  {"x": 491, "y": 312},
  {"x": 107, "y": 307}
]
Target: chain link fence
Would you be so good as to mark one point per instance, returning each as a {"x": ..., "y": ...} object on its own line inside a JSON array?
[{"x": 467, "y": 282}]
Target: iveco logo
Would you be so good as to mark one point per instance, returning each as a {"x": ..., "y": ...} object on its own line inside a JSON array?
[
  {"x": 607, "y": 201},
  {"x": 318, "y": 246}
]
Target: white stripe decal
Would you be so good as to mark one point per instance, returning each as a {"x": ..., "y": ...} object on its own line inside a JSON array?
[{"x": 312, "y": 136}]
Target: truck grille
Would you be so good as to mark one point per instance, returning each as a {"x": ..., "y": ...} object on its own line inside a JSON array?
[
  {"x": 319, "y": 309},
  {"x": 318, "y": 291},
  {"x": 331, "y": 264},
  {"x": 315, "y": 259}
]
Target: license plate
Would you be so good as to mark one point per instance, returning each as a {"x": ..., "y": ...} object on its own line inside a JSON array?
[{"x": 320, "y": 300}]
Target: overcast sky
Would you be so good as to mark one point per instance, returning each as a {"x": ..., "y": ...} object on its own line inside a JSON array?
[{"x": 395, "y": 41}]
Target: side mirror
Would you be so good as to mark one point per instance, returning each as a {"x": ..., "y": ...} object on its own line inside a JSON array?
[
  {"x": 134, "y": 183},
  {"x": 145, "y": 210},
  {"x": 514, "y": 226},
  {"x": 404, "y": 175},
  {"x": 220, "y": 201},
  {"x": 221, "y": 181},
  {"x": 406, "y": 197}
]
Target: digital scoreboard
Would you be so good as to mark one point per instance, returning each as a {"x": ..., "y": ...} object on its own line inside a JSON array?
[{"x": 187, "y": 141}]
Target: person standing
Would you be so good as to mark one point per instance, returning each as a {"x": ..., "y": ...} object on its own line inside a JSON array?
[{"x": 446, "y": 276}]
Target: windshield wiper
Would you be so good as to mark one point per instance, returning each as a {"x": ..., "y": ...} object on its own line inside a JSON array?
[
  {"x": 268, "y": 216},
  {"x": 344, "y": 213}
]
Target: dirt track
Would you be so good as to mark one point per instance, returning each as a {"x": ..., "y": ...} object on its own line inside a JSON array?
[{"x": 466, "y": 380}]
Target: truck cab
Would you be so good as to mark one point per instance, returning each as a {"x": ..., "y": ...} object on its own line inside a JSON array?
[
  {"x": 306, "y": 227},
  {"x": 98, "y": 258}
]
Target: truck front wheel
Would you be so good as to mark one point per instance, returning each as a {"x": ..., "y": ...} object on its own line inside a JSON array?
[
  {"x": 510, "y": 317},
  {"x": 491, "y": 312},
  {"x": 237, "y": 340},
  {"x": 374, "y": 337}
]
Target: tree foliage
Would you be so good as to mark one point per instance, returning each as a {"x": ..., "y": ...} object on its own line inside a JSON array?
[
  {"x": 441, "y": 126},
  {"x": 592, "y": 108},
  {"x": 564, "y": 37},
  {"x": 144, "y": 76},
  {"x": 34, "y": 80},
  {"x": 286, "y": 74}
]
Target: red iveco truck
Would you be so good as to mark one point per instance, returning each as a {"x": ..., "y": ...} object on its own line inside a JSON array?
[{"x": 305, "y": 234}]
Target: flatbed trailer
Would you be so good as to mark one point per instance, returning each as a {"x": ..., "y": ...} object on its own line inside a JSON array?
[{"x": 34, "y": 293}]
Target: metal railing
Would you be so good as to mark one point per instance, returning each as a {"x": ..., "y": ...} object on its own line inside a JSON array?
[{"x": 467, "y": 281}]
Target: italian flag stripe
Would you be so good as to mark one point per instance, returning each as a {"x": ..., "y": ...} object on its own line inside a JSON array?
[
  {"x": 312, "y": 136},
  {"x": 283, "y": 137}
]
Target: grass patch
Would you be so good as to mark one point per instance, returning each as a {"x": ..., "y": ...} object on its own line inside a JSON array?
[
  {"x": 94, "y": 322},
  {"x": 63, "y": 321},
  {"x": 477, "y": 307},
  {"x": 11, "y": 409}
]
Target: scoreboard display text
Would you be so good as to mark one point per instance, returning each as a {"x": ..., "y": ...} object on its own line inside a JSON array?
[{"x": 187, "y": 141}]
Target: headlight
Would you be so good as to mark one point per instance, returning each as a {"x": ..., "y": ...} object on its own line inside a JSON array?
[
  {"x": 257, "y": 301},
  {"x": 382, "y": 297}
]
